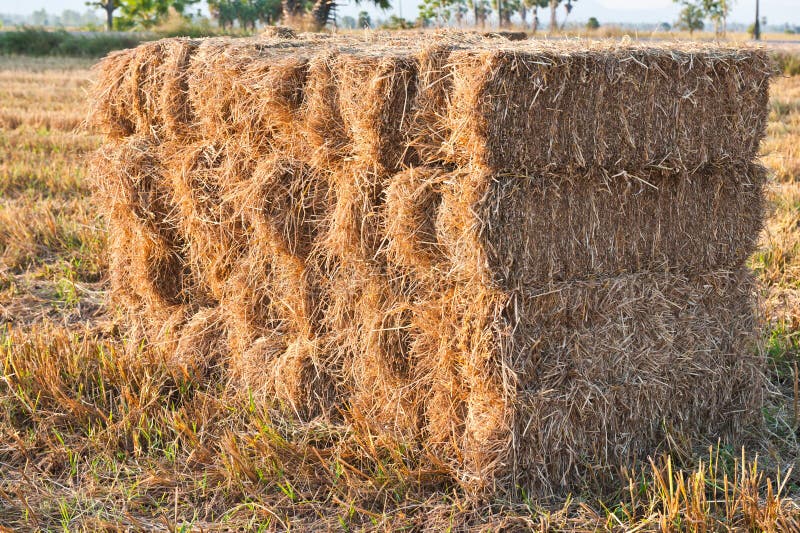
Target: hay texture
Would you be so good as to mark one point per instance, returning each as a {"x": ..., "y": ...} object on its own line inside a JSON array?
[{"x": 525, "y": 260}]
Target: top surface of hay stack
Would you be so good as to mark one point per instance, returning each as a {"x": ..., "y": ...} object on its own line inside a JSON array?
[{"x": 526, "y": 258}]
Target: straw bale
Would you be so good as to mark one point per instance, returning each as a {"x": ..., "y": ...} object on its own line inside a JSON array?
[
  {"x": 207, "y": 225},
  {"x": 376, "y": 92},
  {"x": 288, "y": 372},
  {"x": 324, "y": 128},
  {"x": 413, "y": 198},
  {"x": 111, "y": 113},
  {"x": 279, "y": 31},
  {"x": 510, "y": 35},
  {"x": 145, "y": 80},
  {"x": 283, "y": 202},
  {"x": 146, "y": 251},
  {"x": 352, "y": 231},
  {"x": 598, "y": 224},
  {"x": 538, "y": 107},
  {"x": 269, "y": 290},
  {"x": 379, "y": 367},
  {"x": 526, "y": 258},
  {"x": 176, "y": 112},
  {"x": 607, "y": 371},
  {"x": 252, "y": 89},
  {"x": 201, "y": 344},
  {"x": 428, "y": 128}
]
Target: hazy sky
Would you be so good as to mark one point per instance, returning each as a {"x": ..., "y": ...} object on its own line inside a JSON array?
[{"x": 776, "y": 11}]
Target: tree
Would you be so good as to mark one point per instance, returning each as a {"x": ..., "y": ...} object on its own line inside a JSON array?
[
  {"x": 109, "y": 6},
  {"x": 480, "y": 11},
  {"x": 293, "y": 10},
  {"x": 568, "y": 9},
  {"x": 363, "y": 20},
  {"x": 691, "y": 15},
  {"x": 533, "y": 5},
  {"x": 246, "y": 12},
  {"x": 436, "y": 10},
  {"x": 395, "y": 23},
  {"x": 144, "y": 14},
  {"x": 505, "y": 8},
  {"x": 348, "y": 22},
  {"x": 70, "y": 18},
  {"x": 138, "y": 13},
  {"x": 717, "y": 11},
  {"x": 460, "y": 11},
  {"x": 757, "y": 25},
  {"x": 322, "y": 10},
  {"x": 39, "y": 17},
  {"x": 592, "y": 23}
]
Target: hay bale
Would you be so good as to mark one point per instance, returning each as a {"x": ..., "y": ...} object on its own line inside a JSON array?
[
  {"x": 376, "y": 93},
  {"x": 174, "y": 107},
  {"x": 147, "y": 267},
  {"x": 413, "y": 199},
  {"x": 593, "y": 224},
  {"x": 111, "y": 113},
  {"x": 564, "y": 107},
  {"x": 208, "y": 226},
  {"x": 201, "y": 344},
  {"x": 525, "y": 258},
  {"x": 609, "y": 370},
  {"x": 252, "y": 90}
]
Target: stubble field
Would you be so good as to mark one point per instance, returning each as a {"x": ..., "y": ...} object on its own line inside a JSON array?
[{"x": 95, "y": 433}]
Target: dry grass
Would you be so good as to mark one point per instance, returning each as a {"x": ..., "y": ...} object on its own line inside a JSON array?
[{"x": 97, "y": 433}]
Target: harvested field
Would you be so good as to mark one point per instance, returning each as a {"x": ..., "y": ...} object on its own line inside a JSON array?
[
  {"x": 297, "y": 204},
  {"x": 99, "y": 430}
]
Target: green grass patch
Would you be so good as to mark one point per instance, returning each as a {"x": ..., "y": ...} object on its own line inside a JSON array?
[{"x": 41, "y": 42}]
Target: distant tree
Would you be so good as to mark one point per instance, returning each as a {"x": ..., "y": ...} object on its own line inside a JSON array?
[
  {"x": 665, "y": 26},
  {"x": 481, "y": 9},
  {"x": 144, "y": 14},
  {"x": 553, "y": 14},
  {"x": 71, "y": 18},
  {"x": 396, "y": 23},
  {"x": 348, "y": 22},
  {"x": 247, "y": 13},
  {"x": 363, "y": 20},
  {"x": 322, "y": 10},
  {"x": 39, "y": 17},
  {"x": 436, "y": 10},
  {"x": 109, "y": 6},
  {"x": 592, "y": 23},
  {"x": 534, "y": 6},
  {"x": 691, "y": 15},
  {"x": 568, "y": 9},
  {"x": 460, "y": 11},
  {"x": 717, "y": 11},
  {"x": 505, "y": 9}
]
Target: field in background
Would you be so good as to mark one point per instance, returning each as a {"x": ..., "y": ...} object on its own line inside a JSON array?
[{"x": 95, "y": 433}]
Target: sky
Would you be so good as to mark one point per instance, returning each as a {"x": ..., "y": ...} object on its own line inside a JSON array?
[{"x": 776, "y": 11}]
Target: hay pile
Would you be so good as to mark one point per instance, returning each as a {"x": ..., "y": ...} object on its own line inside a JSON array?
[{"x": 525, "y": 259}]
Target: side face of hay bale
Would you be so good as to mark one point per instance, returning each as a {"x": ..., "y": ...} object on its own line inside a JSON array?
[
  {"x": 376, "y": 93},
  {"x": 608, "y": 371},
  {"x": 540, "y": 228},
  {"x": 524, "y": 111}
]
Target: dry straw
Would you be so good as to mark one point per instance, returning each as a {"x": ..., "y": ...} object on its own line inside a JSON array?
[{"x": 525, "y": 259}]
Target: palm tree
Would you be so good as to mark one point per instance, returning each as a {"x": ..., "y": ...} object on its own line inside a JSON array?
[{"x": 323, "y": 10}]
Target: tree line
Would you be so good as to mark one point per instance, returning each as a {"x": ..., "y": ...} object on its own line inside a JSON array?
[
  {"x": 247, "y": 14},
  {"x": 694, "y": 13}
]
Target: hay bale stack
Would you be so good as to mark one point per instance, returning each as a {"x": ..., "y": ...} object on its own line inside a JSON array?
[{"x": 526, "y": 259}]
